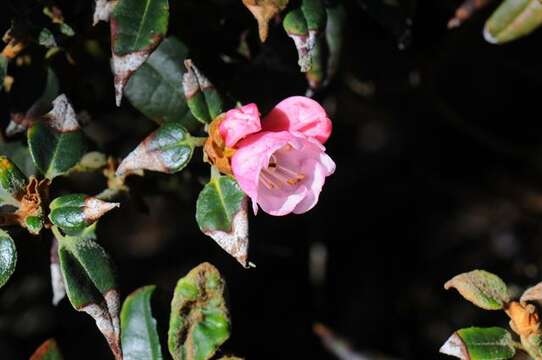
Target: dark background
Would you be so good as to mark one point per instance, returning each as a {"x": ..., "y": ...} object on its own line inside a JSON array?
[{"x": 438, "y": 172}]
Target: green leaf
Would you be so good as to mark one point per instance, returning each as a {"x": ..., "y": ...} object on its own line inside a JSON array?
[
  {"x": 139, "y": 336},
  {"x": 168, "y": 150},
  {"x": 18, "y": 152},
  {"x": 201, "y": 96},
  {"x": 12, "y": 182},
  {"x": 303, "y": 25},
  {"x": 73, "y": 213},
  {"x": 335, "y": 29},
  {"x": 155, "y": 88},
  {"x": 221, "y": 214},
  {"x": 482, "y": 288},
  {"x": 47, "y": 351},
  {"x": 137, "y": 27},
  {"x": 199, "y": 323},
  {"x": 90, "y": 282},
  {"x": 475, "y": 343},
  {"x": 56, "y": 143},
  {"x": 47, "y": 39},
  {"x": 8, "y": 257},
  {"x": 513, "y": 19}
]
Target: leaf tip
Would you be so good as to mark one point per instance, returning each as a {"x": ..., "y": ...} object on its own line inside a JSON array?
[{"x": 454, "y": 346}]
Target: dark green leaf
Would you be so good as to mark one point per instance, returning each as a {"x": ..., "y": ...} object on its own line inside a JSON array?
[
  {"x": 3, "y": 70},
  {"x": 199, "y": 323},
  {"x": 139, "y": 336},
  {"x": 47, "y": 351},
  {"x": 90, "y": 282},
  {"x": 73, "y": 213},
  {"x": 56, "y": 142},
  {"x": 8, "y": 257},
  {"x": 480, "y": 344},
  {"x": 513, "y": 19},
  {"x": 482, "y": 288},
  {"x": 137, "y": 27},
  {"x": 156, "y": 89},
  {"x": 201, "y": 96},
  {"x": 167, "y": 150},
  {"x": 221, "y": 214}
]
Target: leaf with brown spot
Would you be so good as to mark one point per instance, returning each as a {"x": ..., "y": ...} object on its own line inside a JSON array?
[
  {"x": 482, "y": 288},
  {"x": 475, "y": 343},
  {"x": 47, "y": 351},
  {"x": 199, "y": 323},
  {"x": 264, "y": 11},
  {"x": 168, "y": 150},
  {"x": 137, "y": 27},
  {"x": 221, "y": 213},
  {"x": 90, "y": 282}
]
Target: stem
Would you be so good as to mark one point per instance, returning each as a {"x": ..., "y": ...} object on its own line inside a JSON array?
[
  {"x": 56, "y": 232},
  {"x": 198, "y": 141},
  {"x": 518, "y": 345}
]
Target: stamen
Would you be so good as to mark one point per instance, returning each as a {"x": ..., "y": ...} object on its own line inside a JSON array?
[{"x": 266, "y": 181}]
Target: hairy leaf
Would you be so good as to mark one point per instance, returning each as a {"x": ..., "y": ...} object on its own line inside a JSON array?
[
  {"x": 513, "y": 19},
  {"x": 90, "y": 282},
  {"x": 221, "y": 214},
  {"x": 56, "y": 143},
  {"x": 167, "y": 150},
  {"x": 199, "y": 323},
  {"x": 137, "y": 27},
  {"x": 482, "y": 288},
  {"x": 480, "y": 344},
  {"x": 139, "y": 336},
  {"x": 47, "y": 351},
  {"x": 8, "y": 257}
]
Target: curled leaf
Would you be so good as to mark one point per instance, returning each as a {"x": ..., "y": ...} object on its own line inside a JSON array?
[
  {"x": 47, "y": 351},
  {"x": 199, "y": 323},
  {"x": 264, "y": 11},
  {"x": 139, "y": 336},
  {"x": 103, "y": 10},
  {"x": 167, "y": 150},
  {"x": 90, "y": 282},
  {"x": 57, "y": 282},
  {"x": 482, "y": 288},
  {"x": 8, "y": 257},
  {"x": 221, "y": 213},
  {"x": 513, "y": 19},
  {"x": 12, "y": 182},
  {"x": 201, "y": 96},
  {"x": 137, "y": 27},
  {"x": 474, "y": 343},
  {"x": 73, "y": 213}
]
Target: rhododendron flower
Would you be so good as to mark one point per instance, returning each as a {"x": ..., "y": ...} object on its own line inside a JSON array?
[
  {"x": 282, "y": 168},
  {"x": 282, "y": 172}
]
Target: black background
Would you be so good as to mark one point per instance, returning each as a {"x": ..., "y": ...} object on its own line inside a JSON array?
[{"x": 438, "y": 172}]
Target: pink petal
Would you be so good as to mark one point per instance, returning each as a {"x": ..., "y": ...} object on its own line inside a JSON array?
[
  {"x": 279, "y": 203},
  {"x": 253, "y": 154},
  {"x": 239, "y": 123},
  {"x": 299, "y": 114}
]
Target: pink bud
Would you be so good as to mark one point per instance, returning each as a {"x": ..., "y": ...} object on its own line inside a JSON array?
[{"x": 239, "y": 123}]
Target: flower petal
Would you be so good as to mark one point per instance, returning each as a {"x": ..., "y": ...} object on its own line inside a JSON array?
[
  {"x": 239, "y": 123},
  {"x": 299, "y": 114}
]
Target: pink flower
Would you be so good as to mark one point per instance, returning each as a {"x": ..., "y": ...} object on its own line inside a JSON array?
[
  {"x": 239, "y": 123},
  {"x": 282, "y": 172},
  {"x": 282, "y": 168},
  {"x": 299, "y": 114}
]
